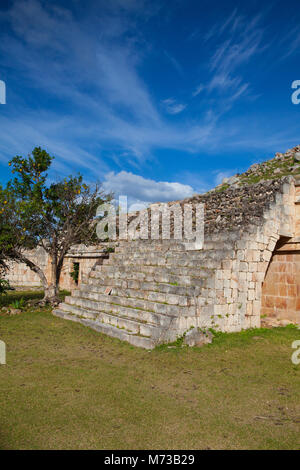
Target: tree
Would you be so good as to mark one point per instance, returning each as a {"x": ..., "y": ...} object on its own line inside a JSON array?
[
  {"x": 53, "y": 216},
  {"x": 8, "y": 241}
]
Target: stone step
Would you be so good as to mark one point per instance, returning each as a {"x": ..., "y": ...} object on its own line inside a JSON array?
[
  {"x": 152, "y": 245},
  {"x": 156, "y": 296},
  {"x": 136, "y": 326},
  {"x": 165, "y": 246},
  {"x": 214, "y": 259},
  {"x": 174, "y": 255},
  {"x": 141, "y": 303},
  {"x": 200, "y": 272},
  {"x": 110, "y": 330},
  {"x": 164, "y": 288},
  {"x": 110, "y": 303},
  {"x": 169, "y": 254},
  {"x": 149, "y": 319},
  {"x": 148, "y": 277}
]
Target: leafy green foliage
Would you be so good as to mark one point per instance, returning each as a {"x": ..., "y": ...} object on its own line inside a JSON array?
[
  {"x": 28, "y": 296},
  {"x": 109, "y": 249},
  {"x": 19, "y": 304},
  {"x": 53, "y": 216},
  {"x": 47, "y": 212},
  {"x": 75, "y": 273},
  {"x": 4, "y": 286}
]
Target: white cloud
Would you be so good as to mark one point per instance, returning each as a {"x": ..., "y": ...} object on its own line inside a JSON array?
[
  {"x": 243, "y": 43},
  {"x": 198, "y": 90},
  {"x": 123, "y": 87},
  {"x": 92, "y": 68},
  {"x": 231, "y": 24},
  {"x": 291, "y": 42},
  {"x": 172, "y": 107},
  {"x": 174, "y": 62},
  {"x": 142, "y": 190}
]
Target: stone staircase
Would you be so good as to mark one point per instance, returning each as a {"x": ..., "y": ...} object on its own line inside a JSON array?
[
  {"x": 150, "y": 292},
  {"x": 146, "y": 292}
]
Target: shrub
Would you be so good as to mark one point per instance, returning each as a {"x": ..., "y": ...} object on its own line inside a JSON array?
[{"x": 4, "y": 286}]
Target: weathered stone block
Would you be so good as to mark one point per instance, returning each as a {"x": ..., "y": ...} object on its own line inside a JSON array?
[{"x": 198, "y": 337}]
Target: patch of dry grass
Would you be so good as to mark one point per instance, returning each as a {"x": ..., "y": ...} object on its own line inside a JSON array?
[{"x": 68, "y": 387}]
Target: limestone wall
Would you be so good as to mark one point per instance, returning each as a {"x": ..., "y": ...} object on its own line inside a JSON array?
[
  {"x": 247, "y": 277},
  {"x": 19, "y": 275},
  {"x": 232, "y": 299},
  {"x": 86, "y": 263}
]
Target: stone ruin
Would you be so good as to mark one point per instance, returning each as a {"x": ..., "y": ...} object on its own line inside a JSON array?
[
  {"x": 21, "y": 277},
  {"x": 149, "y": 292}
]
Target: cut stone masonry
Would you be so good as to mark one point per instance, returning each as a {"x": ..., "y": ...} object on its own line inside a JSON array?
[{"x": 149, "y": 292}]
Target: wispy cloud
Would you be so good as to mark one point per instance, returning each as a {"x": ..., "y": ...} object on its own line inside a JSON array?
[
  {"x": 233, "y": 53},
  {"x": 198, "y": 90},
  {"x": 78, "y": 86},
  {"x": 172, "y": 107},
  {"x": 291, "y": 42},
  {"x": 174, "y": 62},
  {"x": 229, "y": 25},
  {"x": 242, "y": 41}
]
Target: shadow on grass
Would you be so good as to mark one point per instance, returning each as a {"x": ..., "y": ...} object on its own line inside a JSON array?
[{"x": 12, "y": 296}]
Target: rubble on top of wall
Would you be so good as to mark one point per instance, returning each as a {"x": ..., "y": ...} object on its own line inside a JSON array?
[
  {"x": 283, "y": 164},
  {"x": 241, "y": 200},
  {"x": 236, "y": 207}
]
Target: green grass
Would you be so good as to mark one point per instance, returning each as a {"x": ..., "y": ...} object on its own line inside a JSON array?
[
  {"x": 267, "y": 169},
  {"x": 11, "y": 296},
  {"x": 68, "y": 387}
]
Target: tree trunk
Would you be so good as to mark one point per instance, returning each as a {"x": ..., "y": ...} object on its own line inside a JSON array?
[
  {"x": 51, "y": 294},
  {"x": 50, "y": 291},
  {"x": 53, "y": 289}
]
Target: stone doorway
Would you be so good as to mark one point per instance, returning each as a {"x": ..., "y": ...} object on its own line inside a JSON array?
[{"x": 281, "y": 287}]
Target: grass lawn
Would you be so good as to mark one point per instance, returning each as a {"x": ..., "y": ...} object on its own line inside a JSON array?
[
  {"x": 68, "y": 387},
  {"x": 13, "y": 296}
]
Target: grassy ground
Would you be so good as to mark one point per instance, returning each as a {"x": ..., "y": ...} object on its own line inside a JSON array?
[
  {"x": 12, "y": 296},
  {"x": 68, "y": 387}
]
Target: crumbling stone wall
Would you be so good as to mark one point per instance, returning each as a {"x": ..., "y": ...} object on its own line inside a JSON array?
[
  {"x": 152, "y": 291},
  {"x": 86, "y": 257},
  {"x": 232, "y": 300},
  {"x": 242, "y": 228},
  {"x": 19, "y": 275}
]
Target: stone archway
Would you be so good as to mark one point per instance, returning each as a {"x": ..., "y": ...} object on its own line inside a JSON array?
[{"x": 281, "y": 287}]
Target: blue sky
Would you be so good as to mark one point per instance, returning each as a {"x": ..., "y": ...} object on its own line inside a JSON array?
[{"x": 156, "y": 99}]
